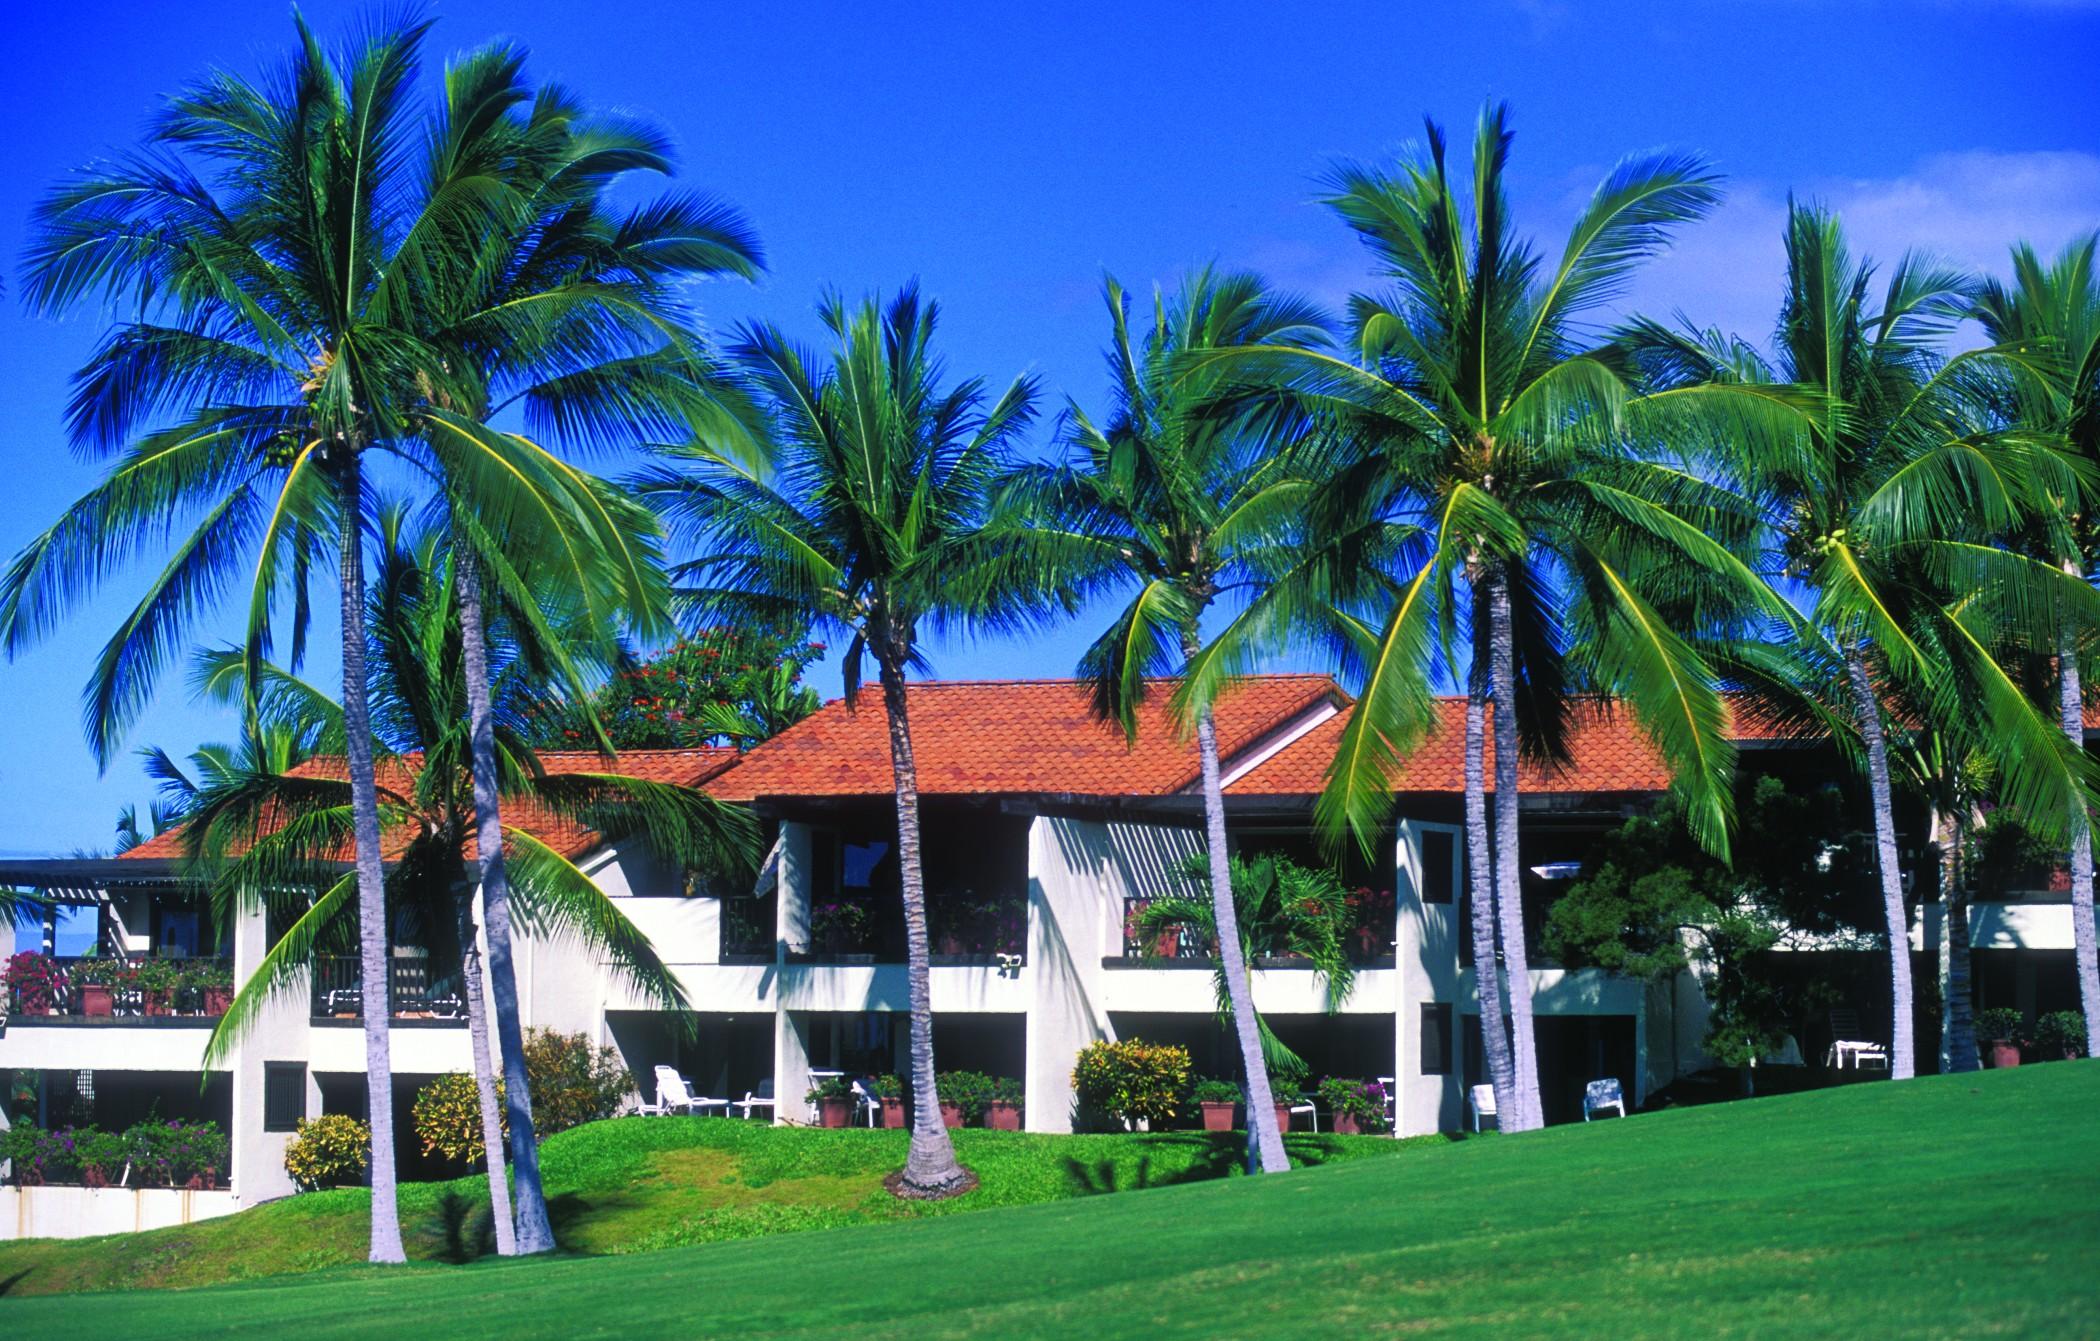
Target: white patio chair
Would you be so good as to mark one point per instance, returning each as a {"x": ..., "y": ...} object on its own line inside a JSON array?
[
  {"x": 1482, "y": 1100},
  {"x": 674, "y": 1095},
  {"x": 1392, "y": 1100},
  {"x": 762, "y": 1097},
  {"x": 866, "y": 1102},
  {"x": 1847, "y": 1048},
  {"x": 1600, "y": 1095},
  {"x": 1306, "y": 1107}
]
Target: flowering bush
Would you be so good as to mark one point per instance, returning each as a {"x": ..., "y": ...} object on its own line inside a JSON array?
[
  {"x": 38, "y": 1156},
  {"x": 1131, "y": 1080},
  {"x": 329, "y": 1151},
  {"x": 447, "y": 1118},
  {"x": 839, "y": 925},
  {"x": 35, "y": 982},
  {"x": 721, "y": 685},
  {"x": 1363, "y": 1100},
  {"x": 572, "y": 1082},
  {"x": 173, "y": 1153}
]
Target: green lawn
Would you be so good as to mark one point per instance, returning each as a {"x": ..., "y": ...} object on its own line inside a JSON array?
[
  {"x": 645, "y": 1184},
  {"x": 1963, "y": 1206}
]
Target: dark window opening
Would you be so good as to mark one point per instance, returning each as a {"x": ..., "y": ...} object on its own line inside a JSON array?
[
  {"x": 1436, "y": 1038},
  {"x": 284, "y": 1095},
  {"x": 1439, "y": 859}
]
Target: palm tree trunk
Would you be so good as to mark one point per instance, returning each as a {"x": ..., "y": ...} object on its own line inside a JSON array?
[
  {"x": 485, "y": 1083},
  {"x": 2071, "y": 700},
  {"x": 1265, "y": 1153},
  {"x": 1509, "y": 888},
  {"x": 1480, "y": 875},
  {"x": 1957, "y": 1010},
  {"x": 534, "y": 1234},
  {"x": 371, "y": 891},
  {"x": 931, "y": 1170},
  {"x": 1902, "y": 1044}
]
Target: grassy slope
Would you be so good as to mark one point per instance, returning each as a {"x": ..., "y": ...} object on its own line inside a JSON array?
[
  {"x": 639, "y": 1184},
  {"x": 1961, "y": 1206}
]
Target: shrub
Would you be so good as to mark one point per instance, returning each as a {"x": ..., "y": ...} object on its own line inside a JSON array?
[
  {"x": 572, "y": 1081},
  {"x": 1363, "y": 1100},
  {"x": 36, "y": 1155},
  {"x": 1999, "y": 1022},
  {"x": 968, "y": 1090},
  {"x": 34, "y": 981},
  {"x": 171, "y": 1153},
  {"x": 1131, "y": 1080},
  {"x": 889, "y": 1086},
  {"x": 1214, "y": 1091},
  {"x": 329, "y": 1151},
  {"x": 447, "y": 1118},
  {"x": 101, "y": 1154},
  {"x": 2062, "y": 1033},
  {"x": 1008, "y": 1090}
]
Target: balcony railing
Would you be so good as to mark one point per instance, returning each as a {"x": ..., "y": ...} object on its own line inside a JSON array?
[
  {"x": 1368, "y": 943},
  {"x": 116, "y": 989},
  {"x": 961, "y": 926},
  {"x": 414, "y": 991}
]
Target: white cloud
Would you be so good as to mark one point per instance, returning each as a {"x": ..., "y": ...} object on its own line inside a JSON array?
[{"x": 1966, "y": 208}]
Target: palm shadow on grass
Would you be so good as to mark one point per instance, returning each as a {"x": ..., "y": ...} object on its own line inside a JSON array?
[
  {"x": 465, "y": 1227},
  {"x": 1209, "y": 1155}
]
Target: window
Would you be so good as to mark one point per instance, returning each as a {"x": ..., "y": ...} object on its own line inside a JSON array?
[
  {"x": 1436, "y": 1038},
  {"x": 284, "y": 1095},
  {"x": 1439, "y": 860}
]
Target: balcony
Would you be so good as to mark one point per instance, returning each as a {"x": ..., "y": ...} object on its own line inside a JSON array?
[
  {"x": 116, "y": 991},
  {"x": 1367, "y": 939},
  {"x": 964, "y": 928},
  {"x": 415, "y": 991}
]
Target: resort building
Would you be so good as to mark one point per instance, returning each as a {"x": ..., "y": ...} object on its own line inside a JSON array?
[{"x": 1045, "y": 832}]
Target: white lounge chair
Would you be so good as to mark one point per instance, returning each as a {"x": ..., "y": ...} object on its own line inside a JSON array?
[
  {"x": 1482, "y": 1100},
  {"x": 762, "y": 1097},
  {"x": 1847, "y": 1048},
  {"x": 673, "y": 1095},
  {"x": 1600, "y": 1095},
  {"x": 1306, "y": 1107},
  {"x": 1392, "y": 1099}
]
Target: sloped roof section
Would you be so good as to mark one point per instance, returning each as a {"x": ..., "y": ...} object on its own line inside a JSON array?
[
  {"x": 1013, "y": 737},
  {"x": 685, "y": 768}
]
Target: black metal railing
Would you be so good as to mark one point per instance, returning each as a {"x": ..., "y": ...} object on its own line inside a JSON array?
[{"x": 414, "y": 989}]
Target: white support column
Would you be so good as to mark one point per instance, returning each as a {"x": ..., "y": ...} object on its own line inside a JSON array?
[{"x": 790, "y": 1068}]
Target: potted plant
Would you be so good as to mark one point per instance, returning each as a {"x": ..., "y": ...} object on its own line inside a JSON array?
[
  {"x": 889, "y": 1089},
  {"x": 833, "y": 1097},
  {"x": 103, "y": 1157},
  {"x": 156, "y": 980},
  {"x": 97, "y": 980},
  {"x": 36, "y": 983},
  {"x": 2000, "y": 1030},
  {"x": 963, "y": 1096},
  {"x": 1357, "y": 1106},
  {"x": 217, "y": 981},
  {"x": 2060, "y": 1035},
  {"x": 1216, "y": 1099},
  {"x": 1002, "y": 1111}
]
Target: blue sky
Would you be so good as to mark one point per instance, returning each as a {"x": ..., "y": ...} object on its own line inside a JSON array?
[{"x": 1006, "y": 157}]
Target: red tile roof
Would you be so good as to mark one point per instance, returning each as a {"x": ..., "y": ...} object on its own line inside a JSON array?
[
  {"x": 688, "y": 768},
  {"x": 1012, "y": 737},
  {"x": 1609, "y": 754}
]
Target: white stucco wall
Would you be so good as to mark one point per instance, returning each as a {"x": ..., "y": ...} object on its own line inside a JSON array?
[{"x": 87, "y": 1212}]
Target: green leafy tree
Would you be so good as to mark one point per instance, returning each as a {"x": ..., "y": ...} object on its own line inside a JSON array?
[
  {"x": 1884, "y": 502},
  {"x": 1186, "y": 501},
  {"x": 2053, "y": 310},
  {"x": 724, "y": 685},
  {"x": 870, "y": 522},
  {"x": 1586, "y": 563}
]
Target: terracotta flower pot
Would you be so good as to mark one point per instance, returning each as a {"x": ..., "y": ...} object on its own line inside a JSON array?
[
  {"x": 205, "y": 1181},
  {"x": 93, "y": 1177},
  {"x": 1283, "y": 1118},
  {"x": 217, "y": 999},
  {"x": 2003, "y": 1052},
  {"x": 1217, "y": 1114},
  {"x": 97, "y": 999},
  {"x": 951, "y": 1115},
  {"x": 1347, "y": 1124},
  {"x": 893, "y": 1112},
  {"x": 1002, "y": 1116},
  {"x": 159, "y": 1004},
  {"x": 834, "y": 1112}
]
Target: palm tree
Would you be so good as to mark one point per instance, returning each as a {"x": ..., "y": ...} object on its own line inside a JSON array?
[
  {"x": 2054, "y": 309},
  {"x": 575, "y": 314},
  {"x": 1884, "y": 501},
  {"x": 262, "y": 832},
  {"x": 292, "y": 265},
  {"x": 1188, "y": 503},
  {"x": 1587, "y": 564},
  {"x": 1279, "y": 908},
  {"x": 870, "y": 521}
]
